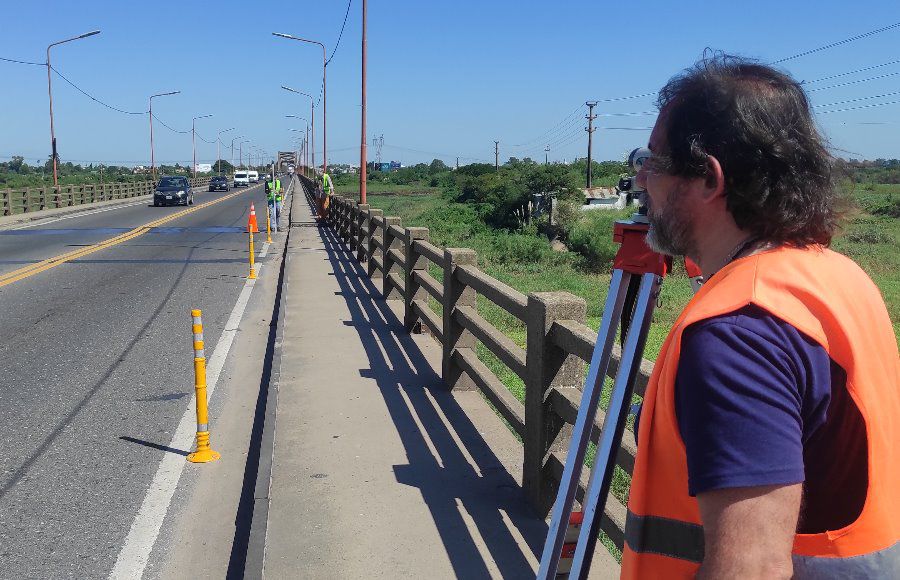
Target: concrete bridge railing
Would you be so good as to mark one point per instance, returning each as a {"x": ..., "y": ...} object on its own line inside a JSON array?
[
  {"x": 552, "y": 365},
  {"x": 28, "y": 199}
]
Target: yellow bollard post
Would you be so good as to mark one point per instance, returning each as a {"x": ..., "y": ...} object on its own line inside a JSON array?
[
  {"x": 203, "y": 454},
  {"x": 252, "y": 275},
  {"x": 268, "y": 226}
]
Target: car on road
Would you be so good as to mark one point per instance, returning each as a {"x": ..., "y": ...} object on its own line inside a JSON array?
[
  {"x": 218, "y": 183},
  {"x": 241, "y": 178},
  {"x": 253, "y": 176},
  {"x": 173, "y": 190}
]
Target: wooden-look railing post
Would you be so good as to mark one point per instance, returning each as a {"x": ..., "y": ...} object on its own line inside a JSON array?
[
  {"x": 373, "y": 236},
  {"x": 415, "y": 262},
  {"x": 456, "y": 337},
  {"x": 350, "y": 225},
  {"x": 547, "y": 367},
  {"x": 362, "y": 229},
  {"x": 331, "y": 214},
  {"x": 391, "y": 241}
]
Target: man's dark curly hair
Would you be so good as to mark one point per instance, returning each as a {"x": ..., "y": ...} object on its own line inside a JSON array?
[{"x": 756, "y": 121}]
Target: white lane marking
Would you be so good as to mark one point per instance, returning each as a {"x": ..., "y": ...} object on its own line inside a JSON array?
[
  {"x": 145, "y": 528},
  {"x": 41, "y": 222}
]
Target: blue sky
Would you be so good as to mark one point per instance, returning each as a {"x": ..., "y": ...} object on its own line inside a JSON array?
[{"x": 445, "y": 78}]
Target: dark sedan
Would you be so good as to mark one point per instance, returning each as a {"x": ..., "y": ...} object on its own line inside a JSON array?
[
  {"x": 173, "y": 191},
  {"x": 218, "y": 183}
]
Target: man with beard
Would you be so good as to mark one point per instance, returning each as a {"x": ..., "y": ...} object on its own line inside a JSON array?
[{"x": 768, "y": 438}]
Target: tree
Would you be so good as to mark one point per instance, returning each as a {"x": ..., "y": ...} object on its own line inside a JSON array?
[
  {"x": 222, "y": 166},
  {"x": 437, "y": 166}
]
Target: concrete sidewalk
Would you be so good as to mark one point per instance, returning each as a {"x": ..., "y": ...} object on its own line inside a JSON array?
[{"x": 378, "y": 471}]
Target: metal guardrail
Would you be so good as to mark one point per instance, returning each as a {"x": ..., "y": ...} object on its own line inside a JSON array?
[{"x": 29, "y": 199}]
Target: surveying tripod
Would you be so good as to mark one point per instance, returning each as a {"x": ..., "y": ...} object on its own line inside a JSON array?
[{"x": 637, "y": 278}]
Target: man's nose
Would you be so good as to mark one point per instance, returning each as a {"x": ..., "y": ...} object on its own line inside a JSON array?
[{"x": 641, "y": 178}]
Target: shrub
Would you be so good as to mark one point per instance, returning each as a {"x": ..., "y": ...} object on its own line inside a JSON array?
[{"x": 592, "y": 237}]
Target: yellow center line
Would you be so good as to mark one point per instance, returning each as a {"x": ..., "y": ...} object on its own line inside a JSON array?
[{"x": 43, "y": 265}]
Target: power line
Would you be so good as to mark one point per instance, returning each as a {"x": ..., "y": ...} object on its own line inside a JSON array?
[
  {"x": 856, "y": 82},
  {"x": 160, "y": 121},
  {"x": 839, "y": 43},
  {"x": 574, "y": 114},
  {"x": 857, "y": 100},
  {"x": 872, "y": 106},
  {"x": 843, "y": 74},
  {"x": 93, "y": 98},
  {"x": 22, "y": 61},
  {"x": 349, "y": 2}
]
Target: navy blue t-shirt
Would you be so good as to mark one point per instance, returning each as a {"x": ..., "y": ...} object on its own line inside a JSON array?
[{"x": 760, "y": 403}]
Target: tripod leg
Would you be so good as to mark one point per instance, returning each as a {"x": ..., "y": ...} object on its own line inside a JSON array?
[
  {"x": 611, "y": 435},
  {"x": 581, "y": 433}
]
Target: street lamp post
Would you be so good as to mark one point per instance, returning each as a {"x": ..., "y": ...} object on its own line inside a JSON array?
[
  {"x": 306, "y": 150},
  {"x": 312, "y": 115},
  {"x": 324, "y": 96},
  {"x": 194, "y": 140},
  {"x": 152, "y": 159},
  {"x": 241, "y": 152},
  {"x": 50, "y": 95},
  {"x": 233, "y": 166},
  {"x": 219, "y": 150}
]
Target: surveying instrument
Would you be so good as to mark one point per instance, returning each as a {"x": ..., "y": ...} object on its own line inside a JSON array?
[{"x": 637, "y": 278}]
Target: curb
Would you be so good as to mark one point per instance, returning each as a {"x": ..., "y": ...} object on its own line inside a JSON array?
[{"x": 256, "y": 541}]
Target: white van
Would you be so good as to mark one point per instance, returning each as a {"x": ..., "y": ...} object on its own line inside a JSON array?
[
  {"x": 253, "y": 176},
  {"x": 241, "y": 179}
]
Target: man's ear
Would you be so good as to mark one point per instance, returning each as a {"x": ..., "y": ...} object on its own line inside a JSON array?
[{"x": 714, "y": 183}]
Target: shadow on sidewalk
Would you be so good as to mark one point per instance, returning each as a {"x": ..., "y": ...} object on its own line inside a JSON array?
[{"x": 464, "y": 484}]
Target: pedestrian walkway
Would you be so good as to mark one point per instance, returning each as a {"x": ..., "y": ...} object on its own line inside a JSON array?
[{"x": 378, "y": 470}]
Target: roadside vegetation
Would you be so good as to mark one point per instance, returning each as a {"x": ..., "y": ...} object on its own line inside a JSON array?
[{"x": 483, "y": 209}]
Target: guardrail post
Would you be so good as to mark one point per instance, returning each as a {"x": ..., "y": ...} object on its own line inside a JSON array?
[
  {"x": 362, "y": 228},
  {"x": 331, "y": 215},
  {"x": 547, "y": 367},
  {"x": 391, "y": 242},
  {"x": 349, "y": 220},
  {"x": 456, "y": 337},
  {"x": 415, "y": 262},
  {"x": 373, "y": 234}
]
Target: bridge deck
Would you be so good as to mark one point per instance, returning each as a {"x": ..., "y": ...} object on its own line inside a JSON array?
[{"x": 378, "y": 471}]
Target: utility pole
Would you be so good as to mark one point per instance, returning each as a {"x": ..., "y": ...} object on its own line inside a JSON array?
[
  {"x": 363, "y": 156},
  {"x": 457, "y": 163},
  {"x": 590, "y": 131},
  {"x": 547, "y": 155},
  {"x": 497, "y": 155}
]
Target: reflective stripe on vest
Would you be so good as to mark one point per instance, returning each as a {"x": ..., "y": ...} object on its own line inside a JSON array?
[
  {"x": 832, "y": 301},
  {"x": 684, "y": 541},
  {"x": 881, "y": 564},
  {"x": 664, "y": 536}
]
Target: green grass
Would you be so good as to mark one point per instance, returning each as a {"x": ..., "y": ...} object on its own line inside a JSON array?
[
  {"x": 527, "y": 262},
  {"x": 384, "y": 188}
]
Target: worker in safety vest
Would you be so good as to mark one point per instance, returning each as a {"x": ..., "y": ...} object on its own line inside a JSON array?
[
  {"x": 323, "y": 195},
  {"x": 769, "y": 438},
  {"x": 279, "y": 195},
  {"x": 270, "y": 199}
]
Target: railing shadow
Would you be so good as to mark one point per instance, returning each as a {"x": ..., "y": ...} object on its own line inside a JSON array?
[{"x": 462, "y": 480}]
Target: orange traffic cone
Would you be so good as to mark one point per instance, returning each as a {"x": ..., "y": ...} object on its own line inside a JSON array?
[{"x": 252, "y": 226}]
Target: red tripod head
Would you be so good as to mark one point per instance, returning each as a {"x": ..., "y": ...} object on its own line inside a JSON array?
[{"x": 634, "y": 255}]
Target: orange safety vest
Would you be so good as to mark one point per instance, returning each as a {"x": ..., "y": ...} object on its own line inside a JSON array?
[{"x": 830, "y": 299}]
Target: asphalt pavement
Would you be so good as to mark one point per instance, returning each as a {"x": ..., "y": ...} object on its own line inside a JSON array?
[{"x": 96, "y": 367}]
